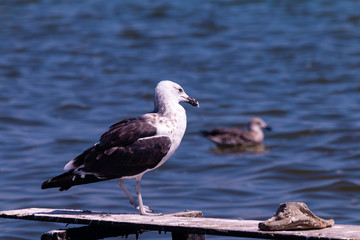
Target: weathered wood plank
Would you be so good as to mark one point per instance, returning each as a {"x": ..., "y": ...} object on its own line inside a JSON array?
[
  {"x": 183, "y": 235},
  {"x": 100, "y": 232},
  {"x": 89, "y": 232},
  {"x": 215, "y": 226}
]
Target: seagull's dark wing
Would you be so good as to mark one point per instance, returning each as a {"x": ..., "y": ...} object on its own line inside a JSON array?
[
  {"x": 120, "y": 134},
  {"x": 229, "y": 136},
  {"x": 126, "y": 132},
  {"x": 125, "y": 161},
  {"x": 128, "y": 148}
]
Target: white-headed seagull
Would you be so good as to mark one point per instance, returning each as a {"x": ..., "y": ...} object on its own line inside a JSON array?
[{"x": 132, "y": 147}]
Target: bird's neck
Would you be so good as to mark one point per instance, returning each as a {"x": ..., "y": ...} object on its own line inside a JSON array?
[
  {"x": 259, "y": 135},
  {"x": 170, "y": 109},
  {"x": 174, "y": 112}
]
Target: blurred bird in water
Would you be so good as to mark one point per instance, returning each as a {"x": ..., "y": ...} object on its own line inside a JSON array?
[{"x": 239, "y": 137}]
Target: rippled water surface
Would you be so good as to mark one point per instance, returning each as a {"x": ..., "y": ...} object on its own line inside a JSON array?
[{"x": 69, "y": 69}]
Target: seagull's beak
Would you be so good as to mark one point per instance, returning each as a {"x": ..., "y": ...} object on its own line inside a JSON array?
[
  {"x": 268, "y": 128},
  {"x": 192, "y": 101}
]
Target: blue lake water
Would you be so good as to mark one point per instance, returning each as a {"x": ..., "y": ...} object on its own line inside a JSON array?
[{"x": 70, "y": 69}]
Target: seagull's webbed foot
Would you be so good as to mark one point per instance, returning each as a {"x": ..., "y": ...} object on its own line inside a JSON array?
[{"x": 145, "y": 210}]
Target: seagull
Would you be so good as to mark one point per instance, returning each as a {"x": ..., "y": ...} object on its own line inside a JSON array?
[
  {"x": 132, "y": 147},
  {"x": 238, "y": 137}
]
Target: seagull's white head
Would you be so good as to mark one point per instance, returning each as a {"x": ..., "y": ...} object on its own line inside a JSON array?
[
  {"x": 256, "y": 124},
  {"x": 167, "y": 92}
]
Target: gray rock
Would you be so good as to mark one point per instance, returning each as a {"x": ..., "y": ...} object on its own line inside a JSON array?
[{"x": 294, "y": 216}]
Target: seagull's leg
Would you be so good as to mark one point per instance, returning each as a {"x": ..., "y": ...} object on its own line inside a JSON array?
[
  {"x": 143, "y": 210},
  {"x": 132, "y": 200}
]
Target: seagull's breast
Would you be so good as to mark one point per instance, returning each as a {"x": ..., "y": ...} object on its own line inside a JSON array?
[{"x": 172, "y": 126}]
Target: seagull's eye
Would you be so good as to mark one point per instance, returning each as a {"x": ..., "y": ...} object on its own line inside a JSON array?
[{"x": 180, "y": 90}]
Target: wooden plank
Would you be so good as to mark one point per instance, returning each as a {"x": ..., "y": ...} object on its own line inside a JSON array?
[
  {"x": 89, "y": 232},
  {"x": 169, "y": 223},
  {"x": 183, "y": 235},
  {"x": 99, "y": 232}
]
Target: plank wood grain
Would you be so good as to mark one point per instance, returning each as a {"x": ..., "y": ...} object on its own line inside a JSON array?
[{"x": 171, "y": 222}]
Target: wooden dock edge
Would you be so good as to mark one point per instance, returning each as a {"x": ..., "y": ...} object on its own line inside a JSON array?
[
  {"x": 173, "y": 223},
  {"x": 98, "y": 232}
]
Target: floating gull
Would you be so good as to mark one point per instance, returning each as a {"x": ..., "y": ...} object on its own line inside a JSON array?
[
  {"x": 238, "y": 137},
  {"x": 132, "y": 147}
]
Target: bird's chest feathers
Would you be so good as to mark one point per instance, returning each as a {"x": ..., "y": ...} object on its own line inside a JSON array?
[
  {"x": 173, "y": 127},
  {"x": 258, "y": 135}
]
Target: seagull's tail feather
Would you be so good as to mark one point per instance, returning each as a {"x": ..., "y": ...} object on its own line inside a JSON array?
[
  {"x": 205, "y": 133},
  {"x": 69, "y": 179},
  {"x": 63, "y": 181},
  {"x": 213, "y": 135}
]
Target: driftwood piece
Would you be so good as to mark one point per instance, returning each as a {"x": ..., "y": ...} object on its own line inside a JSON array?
[{"x": 294, "y": 216}]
